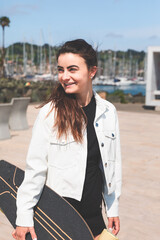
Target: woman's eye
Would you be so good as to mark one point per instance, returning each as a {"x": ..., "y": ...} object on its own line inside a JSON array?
[
  {"x": 60, "y": 70},
  {"x": 72, "y": 69}
]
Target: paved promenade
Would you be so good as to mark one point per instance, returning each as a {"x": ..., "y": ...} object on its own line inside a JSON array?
[{"x": 140, "y": 201}]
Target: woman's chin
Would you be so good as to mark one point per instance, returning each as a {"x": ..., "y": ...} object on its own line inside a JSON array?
[{"x": 69, "y": 91}]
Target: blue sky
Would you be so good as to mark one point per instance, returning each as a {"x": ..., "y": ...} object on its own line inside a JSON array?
[{"x": 110, "y": 24}]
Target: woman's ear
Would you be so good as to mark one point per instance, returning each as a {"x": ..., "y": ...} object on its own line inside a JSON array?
[{"x": 93, "y": 71}]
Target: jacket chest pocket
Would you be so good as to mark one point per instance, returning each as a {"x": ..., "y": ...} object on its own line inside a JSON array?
[
  {"x": 62, "y": 153},
  {"x": 110, "y": 144},
  {"x": 61, "y": 145}
]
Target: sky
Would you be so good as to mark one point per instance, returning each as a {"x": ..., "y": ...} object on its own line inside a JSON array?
[{"x": 106, "y": 24}]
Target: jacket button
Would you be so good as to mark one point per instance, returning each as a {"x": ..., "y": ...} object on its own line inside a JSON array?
[
  {"x": 96, "y": 124},
  {"x": 109, "y": 184},
  {"x": 102, "y": 144},
  {"x": 105, "y": 165}
]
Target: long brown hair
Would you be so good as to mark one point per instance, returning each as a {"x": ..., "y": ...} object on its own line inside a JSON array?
[{"x": 69, "y": 116}]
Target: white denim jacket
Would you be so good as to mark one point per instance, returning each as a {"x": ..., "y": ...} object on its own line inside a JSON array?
[{"x": 61, "y": 163}]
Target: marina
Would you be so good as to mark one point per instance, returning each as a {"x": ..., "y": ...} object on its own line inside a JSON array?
[{"x": 127, "y": 89}]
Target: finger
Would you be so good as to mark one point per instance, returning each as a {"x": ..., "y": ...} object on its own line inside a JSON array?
[
  {"x": 21, "y": 233},
  {"x": 97, "y": 237},
  {"x": 110, "y": 223},
  {"x": 116, "y": 227},
  {"x": 14, "y": 234},
  {"x": 33, "y": 234},
  {"x": 115, "y": 232},
  {"x": 21, "y": 237}
]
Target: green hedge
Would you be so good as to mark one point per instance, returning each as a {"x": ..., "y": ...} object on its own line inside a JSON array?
[
  {"x": 121, "y": 97},
  {"x": 38, "y": 91}
]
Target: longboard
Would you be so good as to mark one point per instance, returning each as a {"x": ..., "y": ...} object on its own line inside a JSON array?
[{"x": 54, "y": 217}]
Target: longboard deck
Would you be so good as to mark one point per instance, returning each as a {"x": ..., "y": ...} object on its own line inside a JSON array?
[{"x": 54, "y": 217}]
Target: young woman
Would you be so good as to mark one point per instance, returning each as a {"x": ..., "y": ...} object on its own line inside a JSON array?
[{"x": 75, "y": 147}]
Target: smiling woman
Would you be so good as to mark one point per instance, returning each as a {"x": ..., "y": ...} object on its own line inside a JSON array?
[
  {"x": 75, "y": 147},
  {"x": 75, "y": 77},
  {"x": 77, "y": 66}
]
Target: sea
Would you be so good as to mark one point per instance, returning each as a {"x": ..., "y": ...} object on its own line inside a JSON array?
[{"x": 132, "y": 89}]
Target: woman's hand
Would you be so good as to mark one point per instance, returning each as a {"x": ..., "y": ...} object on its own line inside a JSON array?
[
  {"x": 114, "y": 223},
  {"x": 20, "y": 233}
]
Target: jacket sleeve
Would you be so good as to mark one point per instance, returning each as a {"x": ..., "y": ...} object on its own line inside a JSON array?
[
  {"x": 112, "y": 200},
  {"x": 35, "y": 173}
]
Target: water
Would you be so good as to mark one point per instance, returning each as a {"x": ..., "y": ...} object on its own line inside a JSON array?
[{"x": 132, "y": 89}]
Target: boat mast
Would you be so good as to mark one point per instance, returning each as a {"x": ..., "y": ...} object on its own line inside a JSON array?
[
  {"x": 110, "y": 64},
  {"x": 130, "y": 65},
  {"x": 49, "y": 54},
  {"x": 114, "y": 64},
  {"x": 123, "y": 63},
  {"x": 32, "y": 58},
  {"x": 41, "y": 59},
  {"x": 24, "y": 58}
]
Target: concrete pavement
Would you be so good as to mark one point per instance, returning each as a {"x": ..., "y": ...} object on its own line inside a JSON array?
[{"x": 140, "y": 200}]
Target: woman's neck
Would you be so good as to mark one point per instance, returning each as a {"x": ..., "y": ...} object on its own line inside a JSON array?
[{"x": 84, "y": 99}]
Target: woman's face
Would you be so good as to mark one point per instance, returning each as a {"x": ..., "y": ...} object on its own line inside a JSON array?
[{"x": 73, "y": 73}]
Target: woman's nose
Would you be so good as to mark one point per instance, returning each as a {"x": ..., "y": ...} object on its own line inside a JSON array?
[{"x": 65, "y": 75}]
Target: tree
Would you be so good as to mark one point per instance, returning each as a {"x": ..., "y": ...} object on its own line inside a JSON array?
[{"x": 4, "y": 22}]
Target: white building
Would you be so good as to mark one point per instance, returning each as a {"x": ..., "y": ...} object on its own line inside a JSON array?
[{"x": 152, "y": 77}]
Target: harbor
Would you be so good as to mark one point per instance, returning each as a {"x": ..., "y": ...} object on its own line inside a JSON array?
[{"x": 127, "y": 89}]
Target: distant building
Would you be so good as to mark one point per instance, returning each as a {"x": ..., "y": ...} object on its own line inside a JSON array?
[{"x": 152, "y": 77}]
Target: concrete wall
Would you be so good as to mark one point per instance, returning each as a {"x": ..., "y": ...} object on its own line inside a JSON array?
[{"x": 153, "y": 77}]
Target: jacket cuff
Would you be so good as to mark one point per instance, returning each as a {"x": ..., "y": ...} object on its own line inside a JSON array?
[
  {"x": 25, "y": 220},
  {"x": 112, "y": 212},
  {"x": 112, "y": 209}
]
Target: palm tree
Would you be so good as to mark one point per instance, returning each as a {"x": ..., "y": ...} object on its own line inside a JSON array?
[{"x": 4, "y": 22}]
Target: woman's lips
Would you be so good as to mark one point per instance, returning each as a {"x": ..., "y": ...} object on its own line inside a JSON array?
[{"x": 68, "y": 84}]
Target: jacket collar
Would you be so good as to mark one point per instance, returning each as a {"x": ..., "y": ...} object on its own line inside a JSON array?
[{"x": 102, "y": 106}]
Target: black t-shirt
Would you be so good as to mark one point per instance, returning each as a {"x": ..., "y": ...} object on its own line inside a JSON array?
[{"x": 89, "y": 206}]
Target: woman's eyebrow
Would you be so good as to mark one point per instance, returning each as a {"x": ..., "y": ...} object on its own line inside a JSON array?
[
  {"x": 72, "y": 66},
  {"x": 59, "y": 67}
]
